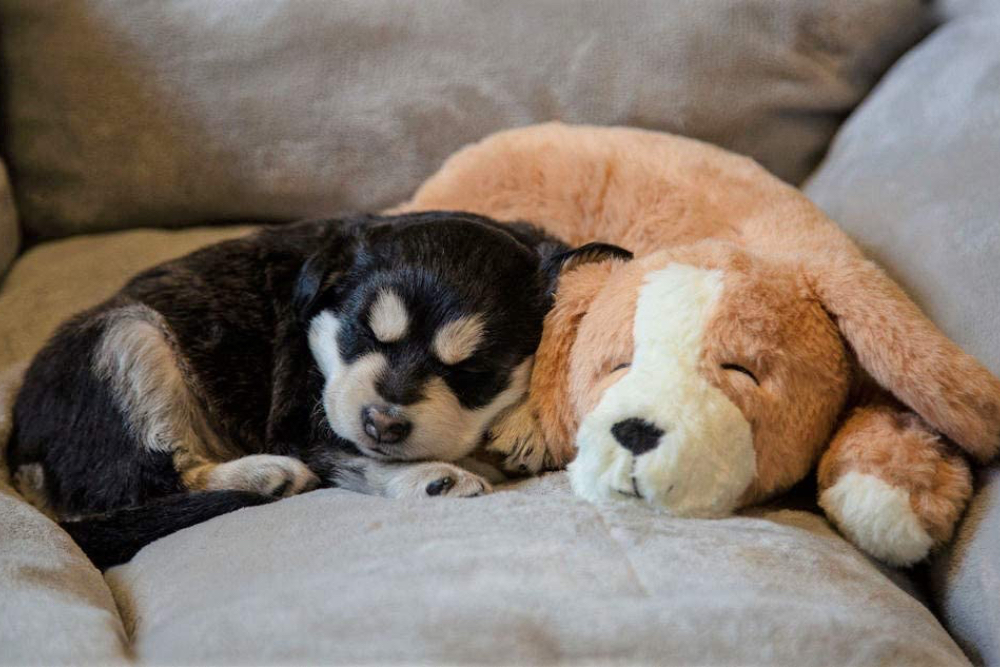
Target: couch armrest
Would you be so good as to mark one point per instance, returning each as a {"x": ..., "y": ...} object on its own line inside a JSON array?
[
  {"x": 10, "y": 233},
  {"x": 966, "y": 578}
]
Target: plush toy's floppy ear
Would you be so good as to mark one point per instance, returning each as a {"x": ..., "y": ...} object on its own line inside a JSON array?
[
  {"x": 905, "y": 353},
  {"x": 322, "y": 269},
  {"x": 549, "y": 395},
  {"x": 588, "y": 253}
]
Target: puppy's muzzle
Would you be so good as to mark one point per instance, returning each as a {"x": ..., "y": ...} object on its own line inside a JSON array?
[{"x": 384, "y": 424}]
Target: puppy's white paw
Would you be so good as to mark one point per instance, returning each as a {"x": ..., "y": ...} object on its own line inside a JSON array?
[
  {"x": 517, "y": 436},
  {"x": 424, "y": 480},
  {"x": 267, "y": 474}
]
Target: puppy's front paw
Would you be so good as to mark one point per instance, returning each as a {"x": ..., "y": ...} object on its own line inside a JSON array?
[
  {"x": 424, "y": 480},
  {"x": 517, "y": 436},
  {"x": 266, "y": 474}
]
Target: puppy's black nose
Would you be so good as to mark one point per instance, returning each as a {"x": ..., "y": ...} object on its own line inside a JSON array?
[
  {"x": 636, "y": 435},
  {"x": 384, "y": 425}
]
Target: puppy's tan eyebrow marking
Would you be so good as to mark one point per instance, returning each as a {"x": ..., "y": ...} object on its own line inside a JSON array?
[
  {"x": 457, "y": 340},
  {"x": 388, "y": 318}
]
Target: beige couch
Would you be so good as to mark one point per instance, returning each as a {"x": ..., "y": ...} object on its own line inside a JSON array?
[{"x": 163, "y": 113}]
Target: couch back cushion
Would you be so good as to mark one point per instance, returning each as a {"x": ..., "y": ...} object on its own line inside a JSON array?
[
  {"x": 913, "y": 177},
  {"x": 167, "y": 112},
  {"x": 10, "y": 236}
]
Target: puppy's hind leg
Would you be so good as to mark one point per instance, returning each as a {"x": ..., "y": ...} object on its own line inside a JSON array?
[{"x": 153, "y": 387}]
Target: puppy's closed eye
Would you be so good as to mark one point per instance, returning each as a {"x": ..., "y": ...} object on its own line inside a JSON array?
[{"x": 474, "y": 367}]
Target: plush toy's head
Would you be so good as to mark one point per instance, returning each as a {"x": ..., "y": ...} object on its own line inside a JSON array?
[
  {"x": 725, "y": 392},
  {"x": 706, "y": 377}
]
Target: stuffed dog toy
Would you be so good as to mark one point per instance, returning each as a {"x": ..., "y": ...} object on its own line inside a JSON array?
[{"x": 747, "y": 340}]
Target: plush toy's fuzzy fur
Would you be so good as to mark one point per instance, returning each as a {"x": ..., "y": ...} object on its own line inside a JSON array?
[{"x": 798, "y": 308}]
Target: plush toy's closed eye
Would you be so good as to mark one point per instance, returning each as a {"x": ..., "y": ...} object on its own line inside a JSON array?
[{"x": 741, "y": 369}]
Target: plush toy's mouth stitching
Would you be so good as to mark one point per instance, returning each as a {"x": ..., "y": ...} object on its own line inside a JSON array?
[
  {"x": 629, "y": 494},
  {"x": 635, "y": 492}
]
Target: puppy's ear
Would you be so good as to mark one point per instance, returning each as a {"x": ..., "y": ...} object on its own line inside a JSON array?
[
  {"x": 589, "y": 253},
  {"x": 906, "y": 354},
  {"x": 321, "y": 271}
]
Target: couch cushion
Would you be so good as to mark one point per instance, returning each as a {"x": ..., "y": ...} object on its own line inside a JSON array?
[
  {"x": 966, "y": 577},
  {"x": 55, "y": 608},
  {"x": 10, "y": 236},
  {"x": 186, "y": 111},
  {"x": 913, "y": 178},
  {"x": 529, "y": 575},
  {"x": 54, "y": 280}
]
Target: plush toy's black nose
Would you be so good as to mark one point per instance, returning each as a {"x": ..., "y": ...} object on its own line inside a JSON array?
[
  {"x": 636, "y": 435},
  {"x": 384, "y": 425}
]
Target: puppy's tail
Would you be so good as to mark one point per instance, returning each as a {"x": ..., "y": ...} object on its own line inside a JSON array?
[{"x": 114, "y": 537}]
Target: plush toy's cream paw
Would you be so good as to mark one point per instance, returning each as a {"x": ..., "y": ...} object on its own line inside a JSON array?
[
  {"x": 518, "y": 438},
  {"x": 878, "y": 518},
  {"x": 267, "y": 474},
  {"x": 423, "y": 480},
  {"x": 891, "y": 485}
]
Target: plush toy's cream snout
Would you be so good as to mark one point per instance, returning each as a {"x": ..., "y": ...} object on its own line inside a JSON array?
[{"x": 662, "y": 433}]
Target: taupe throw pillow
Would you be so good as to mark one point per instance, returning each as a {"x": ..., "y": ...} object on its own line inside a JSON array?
[{"x": 167, "y": 112}]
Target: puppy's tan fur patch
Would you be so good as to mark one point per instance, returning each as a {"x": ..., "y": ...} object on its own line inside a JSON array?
[
  {"x": 457, "y": 340},
  {"x": 388, "y": 318}
]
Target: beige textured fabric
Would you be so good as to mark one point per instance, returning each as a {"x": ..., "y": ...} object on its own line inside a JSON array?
[
  {"x": 531, "y": 575},
  {"x": 55, "y": 280},
  {"x": 185, "y": 112},
  {"x": 913, "y": 178},
  {"x": 10, "y": 235},
  {"x": 966, "y": 577},
  {"x": 55, "y": 608}
]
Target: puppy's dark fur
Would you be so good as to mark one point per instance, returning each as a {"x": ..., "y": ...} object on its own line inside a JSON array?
[{"x": 127, "y": 413}]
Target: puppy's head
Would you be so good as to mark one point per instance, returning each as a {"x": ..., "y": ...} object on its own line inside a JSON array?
[{"x": 423, "y": 326}]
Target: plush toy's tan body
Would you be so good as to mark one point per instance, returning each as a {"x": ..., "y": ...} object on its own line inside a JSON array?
[{"x": 759, "y": 339}]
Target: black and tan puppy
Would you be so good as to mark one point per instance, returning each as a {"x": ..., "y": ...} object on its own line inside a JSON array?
[{"x": 367, "y": 353}]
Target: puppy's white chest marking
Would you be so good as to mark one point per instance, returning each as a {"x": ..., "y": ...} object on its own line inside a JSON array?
[{"x": 703, "y": 458}]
